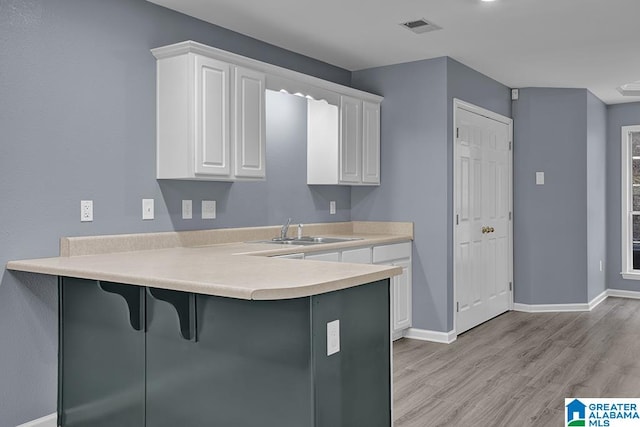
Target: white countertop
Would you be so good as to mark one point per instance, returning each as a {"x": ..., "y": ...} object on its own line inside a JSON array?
[{"x": 236, "y": 269}]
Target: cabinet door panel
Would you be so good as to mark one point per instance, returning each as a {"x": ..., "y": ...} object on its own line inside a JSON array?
[
  {"x": 401, "y": 288},
  {"x": 101, "y": 367},
  {"x": 212, "y": 117},
  {"x": 350, "y": 140},
  {"x": 371, "y": 143},
  {"x": 249, "y": 366},
  {"x": 249, "y": 133}
]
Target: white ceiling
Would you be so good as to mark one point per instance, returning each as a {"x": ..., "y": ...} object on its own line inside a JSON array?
[{"x": 593, "y": 44}]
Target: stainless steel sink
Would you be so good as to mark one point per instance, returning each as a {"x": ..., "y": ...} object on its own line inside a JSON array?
[{"x": 307, "y": 240}]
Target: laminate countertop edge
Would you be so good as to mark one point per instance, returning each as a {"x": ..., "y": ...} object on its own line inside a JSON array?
[{"x": 235, "y": 270}]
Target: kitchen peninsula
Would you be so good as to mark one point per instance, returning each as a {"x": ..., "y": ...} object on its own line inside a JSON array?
[{"x": 206, "y": 328}]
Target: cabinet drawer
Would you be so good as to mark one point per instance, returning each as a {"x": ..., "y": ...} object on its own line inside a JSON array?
[
  {"x": 390, "y": 252},
  {"x": 327, "y": 256},
  {"x": 357, "y": 256}
]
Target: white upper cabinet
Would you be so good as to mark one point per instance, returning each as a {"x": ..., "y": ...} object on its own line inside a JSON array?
[
  {"x": 370, "y": 143},
  {"x": 350, "y": 140},
  {"x": 211, "y": 120},
  {"x": 346, "y": 154},
  {"x": 249, "y": 135}
]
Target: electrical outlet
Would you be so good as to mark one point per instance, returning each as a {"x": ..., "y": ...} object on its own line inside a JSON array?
[
  {"x": 208, "y": 209},
  {"x": 333, "y": 337},
  {"x": 147, "y": 209},
  {"x": 601, "y": 265},
  {"x": 86, "y": 210},
  {"x": 332, "y": 207},
  {"x": 187, "y": 209}
]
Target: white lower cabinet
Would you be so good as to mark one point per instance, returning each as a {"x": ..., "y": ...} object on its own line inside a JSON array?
[
  {"x": 401, "y": 297},
  {"x": 398, "y": 254}
]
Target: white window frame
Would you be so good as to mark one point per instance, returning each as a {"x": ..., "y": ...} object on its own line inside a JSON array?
[{"x": 627, "y": 205}]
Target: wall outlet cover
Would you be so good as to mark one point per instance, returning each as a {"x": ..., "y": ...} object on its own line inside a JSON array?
[
  {"x": 332, "y": 207},
  {"x": 208, "y": 209},
  {"x": 187, "y": 209},
  {"x": 539, "y": 178},
  {"x": 333, "y": 337},
  {"x": 86, "y": 210}
]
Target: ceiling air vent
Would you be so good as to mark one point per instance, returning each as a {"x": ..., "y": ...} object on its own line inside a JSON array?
[{"x": 420, "y": 26}]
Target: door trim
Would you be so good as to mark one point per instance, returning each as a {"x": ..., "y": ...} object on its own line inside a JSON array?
[{"x": 463, "y": 105}]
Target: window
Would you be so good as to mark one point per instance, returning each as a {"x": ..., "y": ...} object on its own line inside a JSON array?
[{"x": 631, "y": 202}]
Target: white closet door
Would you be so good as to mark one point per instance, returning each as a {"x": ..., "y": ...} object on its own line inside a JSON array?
[{"x": 483, "y": 230}]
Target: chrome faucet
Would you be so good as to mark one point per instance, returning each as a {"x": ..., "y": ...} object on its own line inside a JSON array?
[{"x": 285, "y": 229}]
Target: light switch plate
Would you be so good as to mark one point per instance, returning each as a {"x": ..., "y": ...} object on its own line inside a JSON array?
[
  {"x": 208, "y": 209},
  {"x": 147, "y": 209},
  {"x": 187, "y": 209},
  {"x": 333, "y": 337},
  {"x": 539, "y": 178},
  {"x": 332, "y": 207}
]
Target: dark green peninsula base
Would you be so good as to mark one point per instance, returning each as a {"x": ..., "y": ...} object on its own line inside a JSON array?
[{"x": 136, "y": 356}]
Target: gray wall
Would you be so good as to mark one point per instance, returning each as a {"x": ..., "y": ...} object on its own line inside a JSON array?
[
  {"x": 78, "y": 122},
  {"x": 596, "y": 194},
  {"x": 414, "y": 173},
  {"x": 617, "y": 116},
  {"x": 550, "y": 221},
  {"x": 416, "y": 169}
]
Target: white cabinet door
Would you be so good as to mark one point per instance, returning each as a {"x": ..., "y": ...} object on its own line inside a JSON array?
[
  {"x": 327, "y": 256},
  {"x": 350, "y": 140},
  {"x": 398, "y": 254},
  {"x": 401, "y": 297},
  {"x": 249, "y": 130},
  {"x": 370, "y": 143},
  {"x": 211, "y": 117}
]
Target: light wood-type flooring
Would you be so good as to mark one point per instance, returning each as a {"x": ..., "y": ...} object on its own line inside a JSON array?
[{"x": 516, "y": 369}]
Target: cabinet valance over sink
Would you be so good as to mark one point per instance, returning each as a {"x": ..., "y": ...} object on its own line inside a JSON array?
[{"x": 211, "y": 119}]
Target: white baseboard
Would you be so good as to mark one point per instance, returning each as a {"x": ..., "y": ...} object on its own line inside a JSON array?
[
  {"x": 597, "y": 300},
  {"x": 623, "y": 294},
  {"x": 433, "y": 336},
  {"x": 549, "y": 308},
  {"x": 48, "y": 421}
]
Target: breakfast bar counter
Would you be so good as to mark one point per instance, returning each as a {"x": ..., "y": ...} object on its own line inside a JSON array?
[{"x": 220, "y": 332}]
